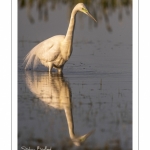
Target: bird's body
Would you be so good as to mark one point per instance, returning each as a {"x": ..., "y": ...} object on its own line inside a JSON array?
[
  {"x": 49, "y": 52},
  {"x": 55, "y": 51}
]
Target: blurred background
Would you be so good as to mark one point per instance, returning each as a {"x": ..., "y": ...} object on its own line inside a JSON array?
[
  {"x": 98, "y": 75},
  {"x": 101, "y": 9}
]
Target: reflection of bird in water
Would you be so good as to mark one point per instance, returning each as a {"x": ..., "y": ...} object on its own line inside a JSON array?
[
  {"x": 54, "y": 91},
  {"x": 55, "y": 51}
]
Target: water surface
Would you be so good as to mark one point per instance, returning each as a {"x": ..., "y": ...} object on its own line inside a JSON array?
[{"x": 90, "y": 106}]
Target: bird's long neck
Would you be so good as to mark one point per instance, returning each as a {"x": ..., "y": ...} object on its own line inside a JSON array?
[{"x": 70, "y": 31}]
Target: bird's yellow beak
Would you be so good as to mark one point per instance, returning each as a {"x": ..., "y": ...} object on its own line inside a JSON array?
[
  {"x": 91, "y": 16},
  {"x": 84, "y": 10}
]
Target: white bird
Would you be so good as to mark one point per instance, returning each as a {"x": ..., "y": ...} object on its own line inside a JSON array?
[{"x": 55, "y": 51}]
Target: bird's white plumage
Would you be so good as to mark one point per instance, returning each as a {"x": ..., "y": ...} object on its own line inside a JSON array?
[
  {"x": 55, "y": 51},
  {"x": 44, "y": 52},
  {"x": 50, "y": 49}
]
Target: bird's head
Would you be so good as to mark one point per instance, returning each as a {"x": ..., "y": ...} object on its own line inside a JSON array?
[{"x": 81, "y": 7}]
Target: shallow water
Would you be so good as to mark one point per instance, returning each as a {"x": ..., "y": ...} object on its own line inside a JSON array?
[{"x": 94, "y": 95}]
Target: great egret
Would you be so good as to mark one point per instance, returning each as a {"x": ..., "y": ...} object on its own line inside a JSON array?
[{"x": 55, "y": 51}]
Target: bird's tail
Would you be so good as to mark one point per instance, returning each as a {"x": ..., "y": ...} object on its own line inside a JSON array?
[{"x": 31, "y": 60}]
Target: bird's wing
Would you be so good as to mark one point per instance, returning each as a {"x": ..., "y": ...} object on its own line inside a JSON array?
[{"x": 48, "y": 50}]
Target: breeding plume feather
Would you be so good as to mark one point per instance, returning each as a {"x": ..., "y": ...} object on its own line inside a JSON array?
[{"x": 55, "y": 51}]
